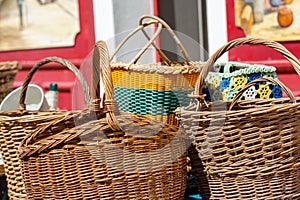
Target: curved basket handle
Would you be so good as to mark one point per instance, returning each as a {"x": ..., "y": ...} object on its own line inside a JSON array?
[
  {"x": 142, "y": 25},
  {"x": 267, "y": 79},
  {"x": 239, "y": 42},
  {"x": 141, "y": 52},
  {"x": 61, "y": 61},
  {"x": 101, "y": 65},
  {"x": 171, "y": 32}
]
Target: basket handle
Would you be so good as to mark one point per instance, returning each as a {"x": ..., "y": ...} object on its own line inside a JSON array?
[
  {"x": 142, "y": 25},
  {"x": 266, "y": 79},
  {"x": 101, "y": 65},
  {"x": 58, "y": 60},
  {"x": 171, "y": 32},
  {"x": 151, "y": 41},
  {"x": 239, "y": 42}
]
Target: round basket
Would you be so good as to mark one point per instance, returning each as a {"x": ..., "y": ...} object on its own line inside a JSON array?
[{"x": 113, "y": 156}]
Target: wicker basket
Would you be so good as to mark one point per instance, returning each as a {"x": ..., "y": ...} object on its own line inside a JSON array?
[
  {"x": 16, "y": 125},
  {"x": 250, "y": 150},
  {"x": 8, "y": 71},
  {"x": 114, "y": 156},
  {"x": 154, "y": 90}
]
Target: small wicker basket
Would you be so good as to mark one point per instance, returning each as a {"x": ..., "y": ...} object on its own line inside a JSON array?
[
  {"x": 15, "y": 125},
  {"x": 8, "y": 71}
]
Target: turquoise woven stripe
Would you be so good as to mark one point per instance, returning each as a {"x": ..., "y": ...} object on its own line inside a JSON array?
[{"x": 150, "y": 102}]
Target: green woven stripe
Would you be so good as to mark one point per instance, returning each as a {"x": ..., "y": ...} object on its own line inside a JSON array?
[{"x": 150, "y": 102}]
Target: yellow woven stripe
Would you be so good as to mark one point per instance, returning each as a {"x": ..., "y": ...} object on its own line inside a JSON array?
[
  {"x": 117, "y": 75},
  {"x": 153, "y": 81},
  {"x": 192, "y": 78}
]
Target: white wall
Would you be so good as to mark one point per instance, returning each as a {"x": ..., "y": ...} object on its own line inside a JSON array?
[
  {"x": 107, "y": 13},
  {"x": 217, "y": 26},
  {"x": 114, "y": 19},
  {"x": 103, "y": 19}
]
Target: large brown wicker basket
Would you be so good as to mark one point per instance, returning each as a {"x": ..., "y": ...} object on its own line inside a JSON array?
[
  {"x": 15, "y": 125},
  {"x": 114, "y": 156},
  {"x": 8, "y": 71},
  {"x": 250, "y": 149}
]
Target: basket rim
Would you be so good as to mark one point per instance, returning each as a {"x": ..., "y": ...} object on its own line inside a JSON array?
[
  {"x": 175, "y": 68},
  {"x": 252, "y": 107},
  {"x": 10, "y": 66}
]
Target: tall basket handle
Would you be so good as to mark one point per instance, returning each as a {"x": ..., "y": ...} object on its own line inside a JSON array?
[
  {"x": 141, "y": 52},
  {"x": 101, "y": 65},
  {"x": 142, "y": 25},
  {"x": 266, "y": 79},
  {"x": 58, "y": 60},
  {"x": 239, "y": 42},
  {"x": 171, "y": 32}
]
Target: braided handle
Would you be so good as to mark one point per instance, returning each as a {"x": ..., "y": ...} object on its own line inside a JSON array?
[
  {"x": 266, "y": 79},
  {"x": 101, "y": 65},
  {"x": 239, "y": 42},
  {"x": 58, "y": 60}
]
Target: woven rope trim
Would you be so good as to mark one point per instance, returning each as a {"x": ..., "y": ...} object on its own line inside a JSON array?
[
  {"x": 175, "y": 68},
  {"x": 11, "y": 65}
]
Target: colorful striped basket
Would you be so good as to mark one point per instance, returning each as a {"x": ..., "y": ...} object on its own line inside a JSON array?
[{"x": 154, "y": 90}]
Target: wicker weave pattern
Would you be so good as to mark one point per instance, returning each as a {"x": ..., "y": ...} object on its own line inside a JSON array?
[
  {"x": 8, "y": 71},
  {"x": 175, "y": 99},
  {"x": 117, "y": 167},
  {"x": 154, "y": 86},
  {"x": 116, "y": 156},
  {"x": 146, "y": 95},
  {"x": 15, "y": 125},
  {"x": 251, "y": 150}
]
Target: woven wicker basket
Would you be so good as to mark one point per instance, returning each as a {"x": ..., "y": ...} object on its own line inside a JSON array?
[
  {"x": 16, "y": 125},
  {"x": 249, "y": 150},
  {"x": 114, "y": 156},
  {"x": 8, "y": 71},
  {"x": 154, "y": 90}
]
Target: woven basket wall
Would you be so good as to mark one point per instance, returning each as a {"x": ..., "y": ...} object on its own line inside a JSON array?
[
  {"x": 114, "y": 155},
  {"x": 249, "y": 149},
  {"x": 94, "y": 162},
  {"x": 154, "y": 91},
  {"x": 16, "y": 125},
  {"x": 8, "y": 71}
]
